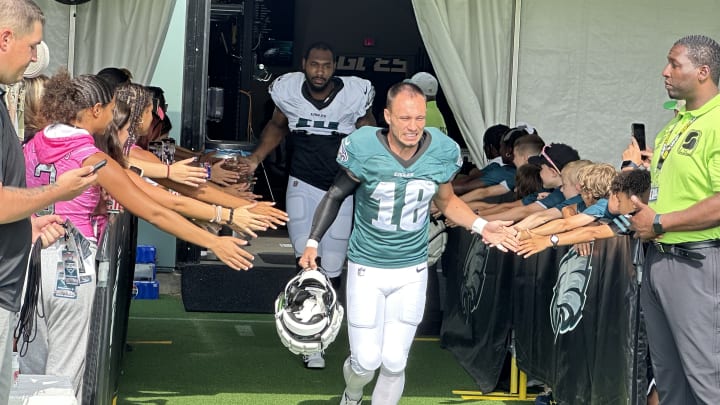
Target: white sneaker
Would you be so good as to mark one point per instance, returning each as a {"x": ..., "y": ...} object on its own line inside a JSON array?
[
  {"x": 314, "y": 360},
  {"x": 347, "y": 401}
]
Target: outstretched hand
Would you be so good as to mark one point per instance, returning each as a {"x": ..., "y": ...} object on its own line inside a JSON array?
[
  {"x": 246, "y": 222},
  {"x": 274, "y": 216},
  {"x": 222, "y": 176},
  {"x": 533, "y": 245},
  {"x": 184, "y": 172},
  {"x": 247, "y": 165},
  {"x": 228, "y": 250},
  {"x": 498, "y": 234}
]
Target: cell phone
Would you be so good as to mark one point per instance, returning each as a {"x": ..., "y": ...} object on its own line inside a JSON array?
[
  {"x": 97, "y": 166},
  {"x": 638, "y": 132}
]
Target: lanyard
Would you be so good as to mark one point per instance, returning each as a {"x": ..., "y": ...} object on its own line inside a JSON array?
[{"x": 666, "y": 148}]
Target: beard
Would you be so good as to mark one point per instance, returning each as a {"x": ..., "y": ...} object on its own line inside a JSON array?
[{"x": 315, "y": 87}]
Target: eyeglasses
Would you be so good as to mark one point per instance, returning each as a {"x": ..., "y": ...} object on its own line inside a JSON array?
[{"x": 545, "y": 155}]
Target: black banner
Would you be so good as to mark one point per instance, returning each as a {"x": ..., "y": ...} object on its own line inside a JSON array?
[
  {"x": 477, "y": 318},
  {"x": 575, "y": 325},
  {"x": 108, "y": 324}
]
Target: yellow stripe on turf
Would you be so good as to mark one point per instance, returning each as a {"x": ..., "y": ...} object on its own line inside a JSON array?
[{"x": 427, "y": 339}]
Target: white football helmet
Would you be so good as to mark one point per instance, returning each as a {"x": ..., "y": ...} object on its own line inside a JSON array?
[{"x": 307, "y": 314}]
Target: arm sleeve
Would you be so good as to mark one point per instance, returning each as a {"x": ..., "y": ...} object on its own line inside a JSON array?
[{"x": 325, "y": 213}]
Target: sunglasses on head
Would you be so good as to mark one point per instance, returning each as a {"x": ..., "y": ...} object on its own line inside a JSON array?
[{"x": 548, "y": 159}]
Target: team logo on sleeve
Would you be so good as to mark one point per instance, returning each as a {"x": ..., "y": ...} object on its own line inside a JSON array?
[{"x": 342, "y": 152}]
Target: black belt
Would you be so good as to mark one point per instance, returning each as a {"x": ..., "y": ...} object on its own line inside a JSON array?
[{"x": 686, "y": 249}]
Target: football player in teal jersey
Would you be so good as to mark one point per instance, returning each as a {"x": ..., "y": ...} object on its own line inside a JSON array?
[
  {"x": 394, "y": 175},
  {"x": 314, "y": 111}
]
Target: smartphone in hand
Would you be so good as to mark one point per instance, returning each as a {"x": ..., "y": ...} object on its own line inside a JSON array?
[
  {"x": 97, "y": 167},
  {"x": 638, "y": 132}
]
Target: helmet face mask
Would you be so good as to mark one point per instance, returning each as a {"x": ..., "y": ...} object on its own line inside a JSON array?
[{"x": 307, "y": 314}]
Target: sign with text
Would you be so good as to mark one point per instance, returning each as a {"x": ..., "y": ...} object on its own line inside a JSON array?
[{"x": 372, "y": 64}]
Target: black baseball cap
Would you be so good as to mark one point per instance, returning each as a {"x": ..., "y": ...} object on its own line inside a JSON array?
[{"x": 555, "y": 155}]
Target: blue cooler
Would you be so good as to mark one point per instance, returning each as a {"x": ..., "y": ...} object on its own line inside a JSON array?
[
  {"x": 145, "y": 268},
  {"x": 146, "y": 290}
]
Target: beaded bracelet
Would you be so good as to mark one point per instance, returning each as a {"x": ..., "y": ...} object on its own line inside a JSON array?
[
  {"x": 218, "y": 213},
  {"x": 232, "y": 213}
]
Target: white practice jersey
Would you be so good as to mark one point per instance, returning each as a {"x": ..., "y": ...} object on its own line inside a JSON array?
[
  {"x": 338, "y": 113},
  {"x": 317, "y": 127}
]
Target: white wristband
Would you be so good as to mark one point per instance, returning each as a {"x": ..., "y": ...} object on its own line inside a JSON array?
[
  {"x": 312, "y": 244},
  {"x": 478, "y": 225}
]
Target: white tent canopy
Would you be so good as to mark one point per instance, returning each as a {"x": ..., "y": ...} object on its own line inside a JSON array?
[
  {"x": 127, "y": 33},
  {"x": 585, "y": 69}
]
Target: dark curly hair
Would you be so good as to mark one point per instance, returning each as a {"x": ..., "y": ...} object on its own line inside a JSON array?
[
  {"x": 64, "y": 97},
  {"x": 633, "y": 182},
  {"x": 130, "y": 101}
]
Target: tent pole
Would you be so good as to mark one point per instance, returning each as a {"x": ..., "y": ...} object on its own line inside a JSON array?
[
  {"x": 71, "y": 41},
  {"x": 512, "y": 101}
]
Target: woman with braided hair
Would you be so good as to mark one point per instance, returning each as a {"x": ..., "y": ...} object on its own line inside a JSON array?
[
  {"x": 75, "y": 109},
  {"x": 132, "y": 121}
]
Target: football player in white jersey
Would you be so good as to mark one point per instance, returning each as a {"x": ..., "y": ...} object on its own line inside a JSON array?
[
  {"x": 394, "y": 174},
  {"x": 314, "y": 111}
]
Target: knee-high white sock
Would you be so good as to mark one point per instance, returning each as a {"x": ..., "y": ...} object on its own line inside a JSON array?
[
  {"x": 354, "y": 381},
  {"x": 389, "y": 387}
]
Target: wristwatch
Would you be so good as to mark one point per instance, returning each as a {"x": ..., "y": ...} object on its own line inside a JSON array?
[
  {"x": 630, "y": 163},
  {"x": 657, "y": 226},
  {"x": 554, "y": 239}
]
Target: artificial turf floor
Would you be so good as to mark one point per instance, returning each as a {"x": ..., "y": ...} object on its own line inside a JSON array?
[{"x": 184, "y": 358}]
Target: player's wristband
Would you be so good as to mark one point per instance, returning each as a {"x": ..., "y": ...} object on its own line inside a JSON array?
[
  {"x": 478, "y": 225},
  {"x": 311, "y": 243}
]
